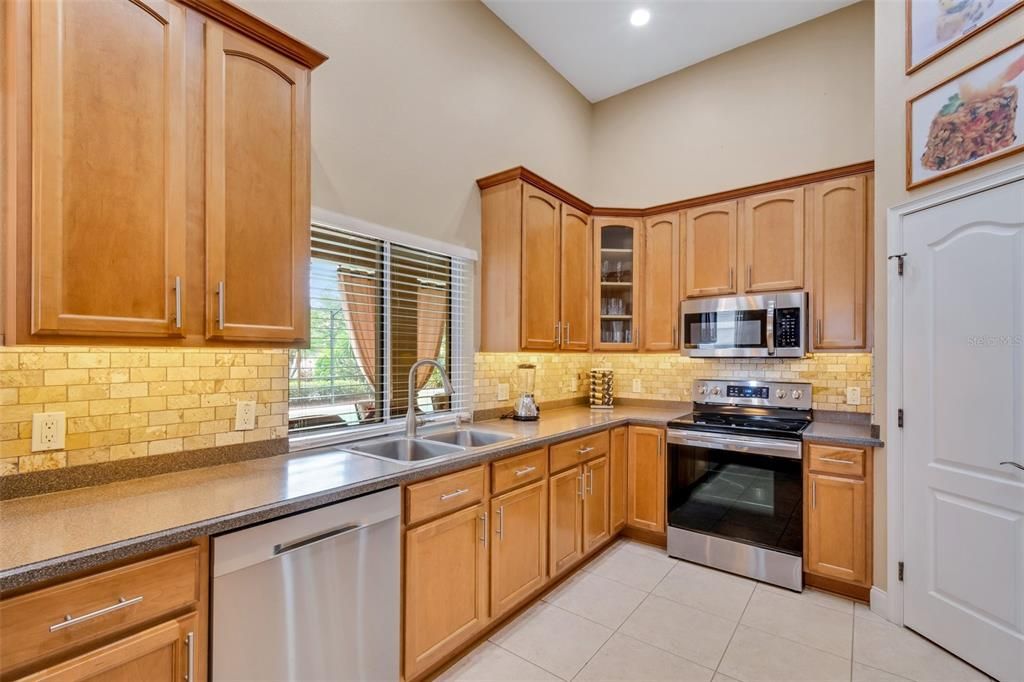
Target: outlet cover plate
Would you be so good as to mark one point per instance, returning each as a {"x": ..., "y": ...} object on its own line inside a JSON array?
[
  {"x": 502, "y": 391},
  {"x": 245, "y": 415},
  {"x": 637, "y": 386},
  {"x": 48, "y": 429},
  {"x": 853, "y": 395}
]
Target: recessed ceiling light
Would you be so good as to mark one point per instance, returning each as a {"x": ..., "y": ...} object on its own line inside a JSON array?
[{"x": 639, "y": 17}]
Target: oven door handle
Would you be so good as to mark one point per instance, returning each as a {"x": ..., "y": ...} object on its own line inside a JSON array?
[{"x": 774, "y": 448}]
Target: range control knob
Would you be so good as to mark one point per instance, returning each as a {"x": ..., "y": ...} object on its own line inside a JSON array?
[
  {"x": 702, "y": 389},
  {"x": 797, "y": 394},
  {"x": 716, "y": 390},
  {"x": 780, "y": 394}
]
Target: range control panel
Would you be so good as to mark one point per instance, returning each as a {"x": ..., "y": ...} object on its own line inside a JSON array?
[{"x": 760, "y": 393}]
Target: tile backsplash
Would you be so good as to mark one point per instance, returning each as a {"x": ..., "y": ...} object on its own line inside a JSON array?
[
  {"x": 670, "y": 376},
  {"x": 133, "y": 402}
]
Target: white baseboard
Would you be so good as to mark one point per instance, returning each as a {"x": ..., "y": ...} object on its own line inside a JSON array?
[{"x": 879, "y": 600}]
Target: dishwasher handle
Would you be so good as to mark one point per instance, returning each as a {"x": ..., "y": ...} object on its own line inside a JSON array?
[{"x": 286, "y": 547}]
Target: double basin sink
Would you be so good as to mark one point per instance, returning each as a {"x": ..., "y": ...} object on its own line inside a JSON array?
[{"x": 425, "y": 448}]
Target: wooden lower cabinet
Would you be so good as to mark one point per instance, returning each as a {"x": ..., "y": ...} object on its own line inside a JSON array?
[
  {"x": 565, "y": 521},
  {"x": 162, "y": 653},
  {"x": 446, "y": 593},
  {"x": 617, "y": 456},
  {"x": 837, "y": 513},
  {"x": 519, "y": 543},
  {"x": 645, "y": 490},
  {"x": 596, "y": 529}
]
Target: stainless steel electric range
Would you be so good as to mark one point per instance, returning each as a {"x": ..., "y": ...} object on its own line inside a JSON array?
[{"x": 735, "y": 479}]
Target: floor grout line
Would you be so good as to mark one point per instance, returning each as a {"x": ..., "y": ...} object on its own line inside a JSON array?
[{"x": 734, "y": 630}]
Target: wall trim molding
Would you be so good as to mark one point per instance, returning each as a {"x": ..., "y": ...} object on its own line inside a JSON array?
[
  {"x": 894, "y": 373},
  {"x": 526, "y": 175},
  {"x": 878, "y": 602}
]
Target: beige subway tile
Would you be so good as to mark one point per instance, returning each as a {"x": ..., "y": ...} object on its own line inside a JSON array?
[
  {"x": 244, "y": 372},
  {"x": 181, "y": 402},
  {"x": 230, "y": 385},
  {"x": 200, "y": 442},
  {"x": 257, "y": 359},
  {"x": 148, "y": 404},
  {"x": 8, "y": 359},
  {"x": 166, "y": 417},
  {"x": 243, "y": 395},
  {"x": 129, "y": 420},
  {"x": 31, "y": 377},
  {"x": 229, "y": 359},
  {"x": 199, "y": 359},
  {"x": 279, "y": 358},
  {"x": 87, "y": 424},
  {"x": 200, "y": 414},
  {"x": 182, "y": 373},
  {"x": 111, "y": 406},
  {"x": 10, "y": 430},
  {"x": 272, "y": 396},
  {"x": 219, "y": 426},
  {"x": 145, "y": 433},
  {"x": 147, "y": 374},
  {"x": 41, "y": 361},
  {"x": 280, "y": 384},
  {"x": 88, "y": 456},
  {"x": 256, "y": 435},
  {"x": 76, "y": 441},
  {"x": 211, "y": 373},
  {"x": 42, "y": 461},
  {"x": 129, "y": 359},
  {"x": 199, "y": 387},
  {"x": 64, "y": 377},
  {"x": 110, "y": 375},
  {"x": 279, "y": 432},
  {"x": 181, "y": 430},
  {"x": 89, "y": 392},
  {"x": 8, "y": 396},
  {"x": 88, "y": 360},
  {"x": 129, "y": 390},
  {"x": 15, "y": 448},
  {"x": 270, "y": 372},
  {"x": 8, "y": 465},
  {"x": 106, "y": 438},
  {"x": 226, "y": 412},
  {"x": 129, "y": 451},
  {"x": 74, "y": 408},
  {"x": 162, "y": 447},
  {"x": 165, "y": 388},
  {"x": 270, "y": 420},
  {"x": 166, "y": 360},
  {"x": 214, "y": 399},
  {"x": 42, "y": 394},
  {"x": 229, "y": 438}
]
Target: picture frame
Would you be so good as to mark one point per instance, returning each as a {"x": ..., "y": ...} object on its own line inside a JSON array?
[
  {"x": 932, "y": 30},
  {"x": 941, "y": 121}
]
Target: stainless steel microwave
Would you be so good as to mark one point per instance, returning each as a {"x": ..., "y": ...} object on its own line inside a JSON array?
[{"x": 765, "y": 326}]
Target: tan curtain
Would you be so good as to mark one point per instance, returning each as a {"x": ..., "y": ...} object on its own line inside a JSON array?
[
  {"x": 360, "y": 297},
  {"x": 431, "y": 313}
]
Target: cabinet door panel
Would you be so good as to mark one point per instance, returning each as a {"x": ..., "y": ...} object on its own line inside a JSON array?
[
  {"x": 617, "y": 463},
  {"x": 773, "y": 241},
  {"x": 108, "y": 119},
  {"x": 540, "y": 274},
  {"x": 446, "y": 571},
  {"x": 257, "y": 191},
  {"x": 661, "y": 283},
  {"x": 841, "y": 238},
  {"x": 575, "y": 273},
  {"x": 646, "y": 479},
  {"x": 565, "y": 519},
  {"x": 595, "y": 504},
  {"x": 519, "y": 561},
  {"x": 711, "y": 233},
  {"x": 618, "y": 284},
  {"x": 836, "y": 540}
]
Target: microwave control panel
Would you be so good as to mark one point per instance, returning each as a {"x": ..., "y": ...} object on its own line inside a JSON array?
[{"x": 787, "y": 328}]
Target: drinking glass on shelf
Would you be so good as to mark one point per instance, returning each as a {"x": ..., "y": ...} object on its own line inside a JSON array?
[
  {"x": 606, "y": 268},
  {"x": 618, "y": 271}
]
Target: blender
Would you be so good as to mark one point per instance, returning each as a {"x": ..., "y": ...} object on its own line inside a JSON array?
[{"x": 525, "y": 409}]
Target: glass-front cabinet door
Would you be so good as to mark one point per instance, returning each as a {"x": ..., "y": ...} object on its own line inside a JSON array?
[{"x": 617, "y": 249}]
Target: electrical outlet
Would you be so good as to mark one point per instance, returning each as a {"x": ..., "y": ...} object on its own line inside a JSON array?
[
  {"x": 245, "y": 415},
  {"x": 637, "y": 386},
  {"x": 853, "y": 395},
  {"x": 48, "y": 431},
  {"x": 574, "y": 383},
  {"x": 502, "y": 391}
]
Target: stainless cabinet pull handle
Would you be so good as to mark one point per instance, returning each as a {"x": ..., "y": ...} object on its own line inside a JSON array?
[
  {"x": 70, "y": 620},
  {"x": 675, "y": 334},
  {"x": 1013, "y": 464},
  {"x": 732, "y": 276},
  {"x": 558, "y": 333},
  {"x": 749, "y": 275},
  {"x": 814, "y": 495},
  {"x": 817, "y": 335},
  {"x": 584, "y": 450},
  {"x": 836, "y": 460},
  {"x": 566, "y": 333},
  {"x": 448, "y": 496},
  {"x": 636, "y": 336},
  {"x": 525, "y": 470},
  {"x": 177, "y": 302},
  {"x": 220, "y": 306},
  {"x": 590, "y": 481},
  {"x": 190, "y": 649},
  {"x": 483, "y": 536},
  {"x": 579, "y": 485},
  {"x": 501, "y": 522}
]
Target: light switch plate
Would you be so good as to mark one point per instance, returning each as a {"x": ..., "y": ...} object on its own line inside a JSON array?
[
  {"x": 637, "y": 386},
  {"x": 502, "y": 391},
  {"x": 48, "y": 430},
  {"x": 245, "y": 415},
  {"x": 853, "y": 395}
]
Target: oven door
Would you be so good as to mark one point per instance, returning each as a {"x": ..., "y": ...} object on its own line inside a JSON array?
[{"x": 736, "y": 503}]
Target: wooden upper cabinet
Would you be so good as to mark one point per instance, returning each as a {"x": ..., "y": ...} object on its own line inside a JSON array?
[
  {"x": 618, "y": 285},
  {"x": 257, "y": 191},
  {"x": 539, "y": 325},
  {"x": 108, "y": 155},
  {"x": 711, "y": 235},
  {"x": 661, "y": 283},
  {"x": 773, "y": 241},
  {"x": 841, "y": 243},
  {"x": 575, "y": 280}
]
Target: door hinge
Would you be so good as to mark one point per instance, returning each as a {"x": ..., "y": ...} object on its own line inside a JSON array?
[
  {"x": 899, "y": 417},
  {"x": 899, "y": 571},
  {"x": 899, "y": 262}
]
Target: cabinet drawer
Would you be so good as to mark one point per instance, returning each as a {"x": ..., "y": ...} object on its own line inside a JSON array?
[
  {"x": 572, "y": 452},
  {"x": 443, "y": 494},
  {"x": 36, "y": 624},
  {"x": 521, "y": 469},
  {"x": 829, "y": 459}
]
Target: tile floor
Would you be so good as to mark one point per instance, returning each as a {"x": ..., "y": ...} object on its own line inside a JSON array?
[{"x": 635, "y": 614}]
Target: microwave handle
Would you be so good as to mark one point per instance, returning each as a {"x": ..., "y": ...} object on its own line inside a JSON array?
[{"x": 769, "y": 332}]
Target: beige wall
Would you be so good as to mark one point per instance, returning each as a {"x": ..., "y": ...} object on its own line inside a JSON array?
[
  {"x": 795, "y": 102},
  {"x": 420, "y": 98},
  {"x": 892, "y": 90}
]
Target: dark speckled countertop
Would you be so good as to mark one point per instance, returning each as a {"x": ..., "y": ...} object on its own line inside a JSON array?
[
  {"x": 53, "y": 535},
  {"x": 857, "y": 434}
]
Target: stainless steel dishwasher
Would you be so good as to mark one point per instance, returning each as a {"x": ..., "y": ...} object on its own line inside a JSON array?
[{"x": 314, "y": 596}]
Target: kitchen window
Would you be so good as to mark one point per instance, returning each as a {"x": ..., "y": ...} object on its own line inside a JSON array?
[{"x": 376, "y": 307}]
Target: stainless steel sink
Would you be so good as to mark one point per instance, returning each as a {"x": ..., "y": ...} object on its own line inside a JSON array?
[
  {"x": 408, "y": 450},
  {"x": 469, "y": 438}
]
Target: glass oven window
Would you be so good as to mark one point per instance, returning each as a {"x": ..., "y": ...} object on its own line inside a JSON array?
[
  {"x": 732, "y": 329},
  {"x": 755, "y": 499}
]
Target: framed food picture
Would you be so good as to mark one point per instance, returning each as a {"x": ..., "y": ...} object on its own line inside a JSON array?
[
  {"x": 975, "y": 117},
  {"x": 936, "y": 26}
]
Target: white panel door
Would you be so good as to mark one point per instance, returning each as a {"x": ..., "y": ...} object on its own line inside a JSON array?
[{"x": 963, "y": 387}]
